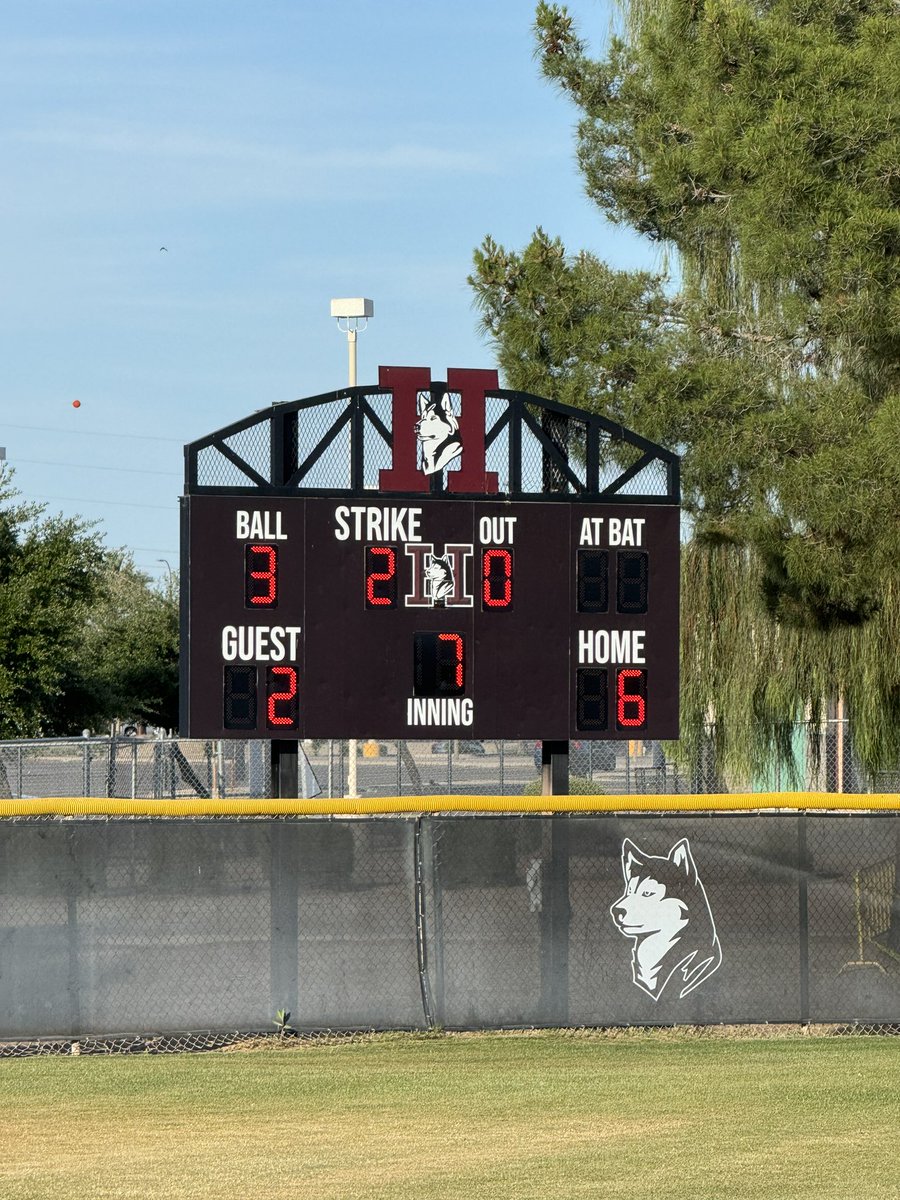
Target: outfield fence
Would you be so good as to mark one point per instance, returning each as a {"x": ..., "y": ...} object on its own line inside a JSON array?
[
  {"x": 171, "y": 768},
  {"x": 150, "y": 924}
]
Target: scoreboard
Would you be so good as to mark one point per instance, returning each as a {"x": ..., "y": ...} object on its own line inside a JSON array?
[{"x": 388, "y": 617}]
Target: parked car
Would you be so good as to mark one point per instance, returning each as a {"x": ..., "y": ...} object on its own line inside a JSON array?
[{"x": 470, "y": 747}]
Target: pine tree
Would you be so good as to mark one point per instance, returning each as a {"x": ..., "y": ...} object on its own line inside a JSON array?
[{"x": 760, "y": 144}]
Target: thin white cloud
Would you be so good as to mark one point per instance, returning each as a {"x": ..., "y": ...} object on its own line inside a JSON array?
[{"x": 97, "y": 136}]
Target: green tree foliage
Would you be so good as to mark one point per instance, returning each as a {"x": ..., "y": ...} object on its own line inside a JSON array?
[
  {"x": 759, "y": 143},
  {"x": 84, "y": 638},
  {"x": 126, "y": 665},
  {"x": 49, "y": 576}
]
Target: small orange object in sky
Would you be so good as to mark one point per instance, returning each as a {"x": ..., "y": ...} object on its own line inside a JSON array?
[{"x": 76, "y": 404}]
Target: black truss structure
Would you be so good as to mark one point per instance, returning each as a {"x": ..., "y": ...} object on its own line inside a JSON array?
[{"x": 336, "y": 442}]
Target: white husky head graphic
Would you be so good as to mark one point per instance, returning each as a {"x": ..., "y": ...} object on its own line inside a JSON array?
[
  {"x": 439, "y": 573},
  {"x": 665, "y": 911},
  {"x": 438, "y": 430}
]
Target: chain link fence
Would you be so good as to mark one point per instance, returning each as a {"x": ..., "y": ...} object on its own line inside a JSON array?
[
  {"x": 142, "y": 927},
  {"x": 168, "y": 768}
]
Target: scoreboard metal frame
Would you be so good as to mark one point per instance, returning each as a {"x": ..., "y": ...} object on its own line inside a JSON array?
[{"x": 518, "y": 577}]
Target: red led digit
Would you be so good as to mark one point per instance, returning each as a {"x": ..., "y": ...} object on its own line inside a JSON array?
[
  {"x": 458, "y": 647},
  {"x": 496, "y": 574},
  {"x": 381, "y": 585},
  {"x": 287, "y": 713},
  {"x": 438, "y": 664},
  {"x": 631, "y": 698},
  {"x": 261, "y": 578}
]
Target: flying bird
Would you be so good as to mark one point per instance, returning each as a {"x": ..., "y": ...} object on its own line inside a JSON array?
[{"x": 166, "y": 248}]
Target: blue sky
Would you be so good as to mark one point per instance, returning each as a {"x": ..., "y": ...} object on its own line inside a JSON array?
[{"x": 284, "y": 152}]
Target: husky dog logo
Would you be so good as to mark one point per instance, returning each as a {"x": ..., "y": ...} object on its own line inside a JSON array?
[
  {"x": 439, "y": 573},
  {"x": 664, "y": 910},
  {"x": 438, "y": 431}
]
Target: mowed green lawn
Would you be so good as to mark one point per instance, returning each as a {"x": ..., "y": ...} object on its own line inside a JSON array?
[{"x": 494, "y": 1116}]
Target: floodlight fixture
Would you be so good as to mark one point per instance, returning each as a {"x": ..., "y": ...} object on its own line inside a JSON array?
[{"x": 354, "y": 307}]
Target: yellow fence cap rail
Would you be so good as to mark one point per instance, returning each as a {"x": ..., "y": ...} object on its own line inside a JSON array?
[{"x": 75, "y": 806}]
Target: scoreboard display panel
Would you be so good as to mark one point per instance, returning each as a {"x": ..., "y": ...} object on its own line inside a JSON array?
[{"x": 315, "y": 616}]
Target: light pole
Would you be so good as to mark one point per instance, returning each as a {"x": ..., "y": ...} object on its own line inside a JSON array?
[
  {"x": 352, "y": 315},
  {"x": 169, "y": 577}
]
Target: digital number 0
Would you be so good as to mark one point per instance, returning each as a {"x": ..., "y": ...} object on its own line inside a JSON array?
[{"x": 496, "y": 573}]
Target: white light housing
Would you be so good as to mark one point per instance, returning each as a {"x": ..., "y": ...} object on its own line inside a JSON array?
[{"x": 356, "y": 306}]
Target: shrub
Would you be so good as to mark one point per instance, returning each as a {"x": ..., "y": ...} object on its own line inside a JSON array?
[{"x": 579, "y": 785}]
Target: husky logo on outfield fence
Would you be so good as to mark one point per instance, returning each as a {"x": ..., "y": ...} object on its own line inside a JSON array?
[{"x": 665, "y": 911}]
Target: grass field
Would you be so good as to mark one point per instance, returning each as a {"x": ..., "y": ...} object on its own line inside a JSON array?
[{"x": 503, "y": 1117}]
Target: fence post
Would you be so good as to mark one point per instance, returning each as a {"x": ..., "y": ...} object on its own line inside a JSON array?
[
  {"x": 284, "y": 919},
  {"x": 421, "y": 940},
  {"x": 111, "y": 766},
  {"x": 555, "y": 921},
  {"x": 73, "y": 949},
  {"x": 893, "y": 933},
  {"x": 803, "y": 914},
  {"x": 435, "y": 959}
]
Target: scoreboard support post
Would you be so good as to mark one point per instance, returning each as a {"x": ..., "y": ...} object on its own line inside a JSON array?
[
  {"x": 554, "y": 768},
  {"x": 556, "y": 912},
  {"x": 285, "y": 770}
]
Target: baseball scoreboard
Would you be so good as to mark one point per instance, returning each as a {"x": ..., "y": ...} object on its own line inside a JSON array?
[{"x": 388, "y": 617}]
